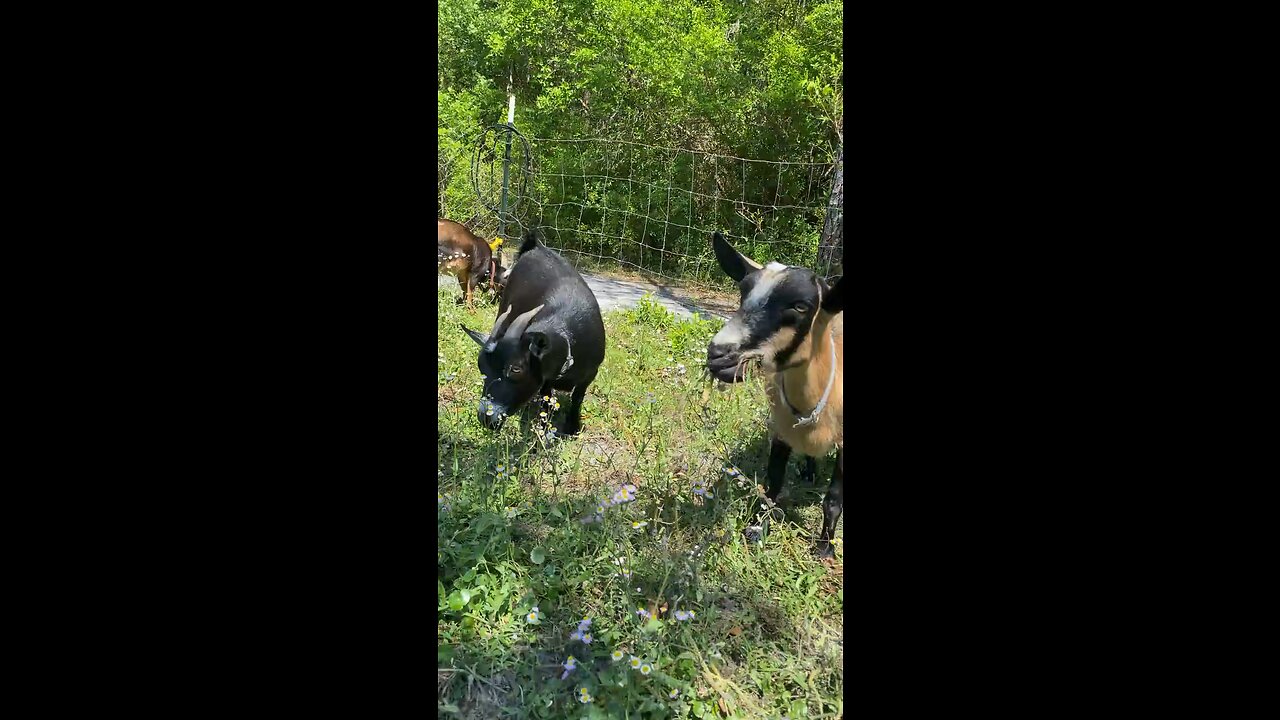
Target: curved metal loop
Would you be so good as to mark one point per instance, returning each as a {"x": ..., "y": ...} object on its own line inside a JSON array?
[{"x": 515, "y": 195}]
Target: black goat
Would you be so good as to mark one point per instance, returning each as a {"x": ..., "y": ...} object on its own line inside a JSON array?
[{"x": 554, "y": 341}]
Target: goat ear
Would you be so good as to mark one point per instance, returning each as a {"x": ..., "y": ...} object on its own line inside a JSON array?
[
  {"x": 833, "y": 299},
  {"x": 532, "y": 239},
  {"x": 539, "y": 344},
  {"x": 479, "y": 338},
  {"x": 735, "y": 264}
]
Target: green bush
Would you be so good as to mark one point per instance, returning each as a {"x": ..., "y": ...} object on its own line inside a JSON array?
[{"x": 650, "y": 313}]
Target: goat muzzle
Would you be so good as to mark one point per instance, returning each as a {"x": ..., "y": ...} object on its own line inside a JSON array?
[
  {"x": 725, "y": 363},
  {"x": 491, "y": 416}
]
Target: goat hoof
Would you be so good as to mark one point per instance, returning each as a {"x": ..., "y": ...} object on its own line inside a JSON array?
[
  {"x": 571, "y": 431},
  {"x": 826, "y": 552}
]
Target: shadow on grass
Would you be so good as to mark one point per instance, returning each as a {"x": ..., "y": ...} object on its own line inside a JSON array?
[
  {"x": 752, "y": 458},
  {"x": 502, "y": 664},
  {"x": 491, "y": 665}
]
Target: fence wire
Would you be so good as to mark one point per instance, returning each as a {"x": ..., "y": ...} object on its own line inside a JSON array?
[
  {"x": 469, "y": 180},
  {"x": 610, "y": 204}
]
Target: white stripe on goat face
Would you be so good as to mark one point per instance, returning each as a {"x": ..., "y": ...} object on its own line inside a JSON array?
[{"x": 734, "y": 333}]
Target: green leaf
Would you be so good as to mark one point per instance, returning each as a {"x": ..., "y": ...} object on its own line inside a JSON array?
[
  {"x": 799, "y": 709},
  {"x": 653, "y": 626},
  {"x": 537, "y": 556},
  {"x": 455, "y": 600},
  {"x": 699, "y": 708},
  {"x": 555, "y": 510},
  {"x": 466, "y": 596}
]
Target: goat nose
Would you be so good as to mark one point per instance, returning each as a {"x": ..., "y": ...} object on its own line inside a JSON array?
[
  {"x": 717, "y": 351},
  {"x": 491, "y": 418}
]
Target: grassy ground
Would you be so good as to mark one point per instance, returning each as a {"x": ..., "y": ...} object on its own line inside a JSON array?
[{"x": 765, "y": 637}]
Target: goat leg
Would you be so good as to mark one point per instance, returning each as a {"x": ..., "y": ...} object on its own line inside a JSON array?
[
  {"x": 471, "y": 287},
  {"x": 832, "y": 507},
  {"x": 573, "y": 418},
  {"x": 779, "y": 453},
  {"x": 463, "y": 276}
]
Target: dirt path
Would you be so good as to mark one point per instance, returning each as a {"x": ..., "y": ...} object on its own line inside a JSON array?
[{"x": 615, "y": 293}]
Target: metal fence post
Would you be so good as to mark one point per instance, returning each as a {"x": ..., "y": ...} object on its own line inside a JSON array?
[
  {"x": 831, "y": 244},
  {"x": 506, "y": 166}
]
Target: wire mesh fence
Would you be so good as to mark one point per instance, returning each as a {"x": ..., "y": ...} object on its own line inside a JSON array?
[
  {"x": 618, "y": 204},
  {"x": 470, "y": 182}
]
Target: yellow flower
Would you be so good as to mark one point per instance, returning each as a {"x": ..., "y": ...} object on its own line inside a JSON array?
[
  {"x": 646, "y": 669},
  {"x": 617, "y": 655},
  {"x": 635, "y": 662}
]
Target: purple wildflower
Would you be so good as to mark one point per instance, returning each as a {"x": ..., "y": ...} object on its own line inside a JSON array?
[{"x": 569, "y": 666}]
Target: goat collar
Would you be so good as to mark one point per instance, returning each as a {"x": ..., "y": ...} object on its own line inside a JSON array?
[
  {"x": 812, "y": 417},
  {"x": 568, "y": 362}
]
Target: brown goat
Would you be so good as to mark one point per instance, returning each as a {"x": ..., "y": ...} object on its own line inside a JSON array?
[
  {"x": 792, "y": 322},
  {"x": 461, "y": 254}
]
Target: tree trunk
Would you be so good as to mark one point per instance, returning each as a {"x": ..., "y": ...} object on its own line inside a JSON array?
[{"x": 831, "y": 245}]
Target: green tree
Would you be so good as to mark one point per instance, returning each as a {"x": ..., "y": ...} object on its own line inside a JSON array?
[{"x": 761, "y": 79}]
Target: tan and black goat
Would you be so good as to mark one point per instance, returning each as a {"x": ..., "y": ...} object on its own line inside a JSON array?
[{"x": 792, "y": 323}]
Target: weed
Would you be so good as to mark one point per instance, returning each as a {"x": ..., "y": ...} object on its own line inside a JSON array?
[{"x": 650, "y": 312}]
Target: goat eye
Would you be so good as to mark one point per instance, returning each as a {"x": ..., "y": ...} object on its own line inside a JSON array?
[
  {"x": 515, "y": 370},
  {"x": 801, "y": 307}
]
